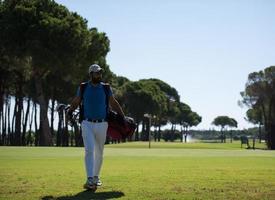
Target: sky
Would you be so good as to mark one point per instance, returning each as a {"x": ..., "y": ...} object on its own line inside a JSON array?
[{"x": 203, "y": 48}]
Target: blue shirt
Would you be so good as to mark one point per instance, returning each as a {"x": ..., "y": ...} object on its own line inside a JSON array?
[{"x": 94, "y": 101}]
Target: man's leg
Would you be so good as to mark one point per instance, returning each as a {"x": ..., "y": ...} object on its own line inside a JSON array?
[
  {"x": 100, "y": 137},
  {"x": 88, "y": 140}
]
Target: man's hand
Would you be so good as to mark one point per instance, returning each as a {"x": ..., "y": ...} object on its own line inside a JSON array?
[
  {"x": 115, "y": 106},
  {"x": 69, "y": 114},
  {"x": 75, "y": 103},
  {"x": 70, "y": 109}
]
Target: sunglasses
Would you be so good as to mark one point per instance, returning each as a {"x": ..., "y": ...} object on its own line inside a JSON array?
[{"x": 96, "y": 73}]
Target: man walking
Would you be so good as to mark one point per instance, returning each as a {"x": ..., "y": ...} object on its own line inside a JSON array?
[{"x": 95, "y": 97}]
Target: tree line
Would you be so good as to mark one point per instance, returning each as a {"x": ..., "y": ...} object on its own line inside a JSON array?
[
  {"x": 259, "y": 97},
  {"x": 45, "y": 53}
]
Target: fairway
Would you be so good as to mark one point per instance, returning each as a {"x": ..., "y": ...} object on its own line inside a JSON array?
[{"x": 132, "y": 171}]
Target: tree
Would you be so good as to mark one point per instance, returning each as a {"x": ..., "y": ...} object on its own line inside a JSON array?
[
  {"x": 187, "y": 118},
  {"x": 143, "y": 97},
  {"x": 259, "y": 94},
  {"x": 224, "y": 121},
  {"x": 171, "y": 110},
  {"x": 255, "y": 116},
  {"x": 59, "y": 48},
  {"x": 233, "y": 124}
]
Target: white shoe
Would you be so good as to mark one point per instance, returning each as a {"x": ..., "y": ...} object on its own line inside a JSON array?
[{"x": 97, "y": 181}]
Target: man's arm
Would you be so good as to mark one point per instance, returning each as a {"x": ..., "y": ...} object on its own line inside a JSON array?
[
  {"x": 115, "y": 105},
  {"x": 75, "y": 103}
]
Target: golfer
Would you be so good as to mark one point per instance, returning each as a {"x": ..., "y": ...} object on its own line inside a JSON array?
[{"x": 95, "y": 97}]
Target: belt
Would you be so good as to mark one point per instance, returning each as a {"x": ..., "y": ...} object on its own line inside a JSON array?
[{"x": 96, "y": 120}]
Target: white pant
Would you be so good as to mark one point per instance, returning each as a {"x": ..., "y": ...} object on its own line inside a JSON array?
[{"x": 94, "y": 136}]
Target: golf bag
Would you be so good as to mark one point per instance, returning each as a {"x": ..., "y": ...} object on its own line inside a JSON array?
[{"x": 119, "y": 127}]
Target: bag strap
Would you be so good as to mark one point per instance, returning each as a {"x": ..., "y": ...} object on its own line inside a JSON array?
[
  {"x": 82, "y": 89},
  {"x": 106, "y": 87}
]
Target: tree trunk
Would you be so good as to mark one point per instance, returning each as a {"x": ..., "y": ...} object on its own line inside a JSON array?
[
  {"x": 29, "y": 138},
  {"x": 36, "y": 131},
  {"x": 185, "y": 134},
  {"x": 4, "y": 123},
  {"x": 45, "y": 138},
  {"x": 9, "y": 124},
  {"x": 12, "y": 139},
  {"x": 137, "y": 133},
  {"x": 172, "y": 133},
  {"x": 25, "y": 123},
  {"x": 2, "y": 126},
  {"x": 181, "y": 134},
  {"x": 260, "y": 133},
  {"x": 148, "y": 127},
  {"x": 2, "y": 120},
  {"x": 52, "y": 117},
  {"x": 18, "y": 114},
  {"x": 272, "y": 132},
  {"x": 159, "y": 133},
  {"x": 60, "y": 128},
  {"x": 77, "y": 135},
  {"x": 66, "y": 135},
  {"x": 221, "y": 136},
  {"x": 143, "y": 137},
  {"x": 71, "y": 138},
  {"x": 155, "y": 133}
]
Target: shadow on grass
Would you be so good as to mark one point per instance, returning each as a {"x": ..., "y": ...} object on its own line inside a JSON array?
[{"x": 87, "y": 195}]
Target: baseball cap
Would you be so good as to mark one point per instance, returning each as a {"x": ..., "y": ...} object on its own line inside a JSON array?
[{"x": 94, "y": 68}]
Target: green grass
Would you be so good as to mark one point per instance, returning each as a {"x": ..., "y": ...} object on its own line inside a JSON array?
[
  {"x": 132, "y": 171},
  {"x": 192, "y": 145}
]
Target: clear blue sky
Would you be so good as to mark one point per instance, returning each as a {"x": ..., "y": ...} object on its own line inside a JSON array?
[{"x": 205, "y": 49}]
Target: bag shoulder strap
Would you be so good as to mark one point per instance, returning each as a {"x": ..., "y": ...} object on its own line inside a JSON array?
[
  {"x": 106, "y": 87},
  {"x": 82, "y": 86}
]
